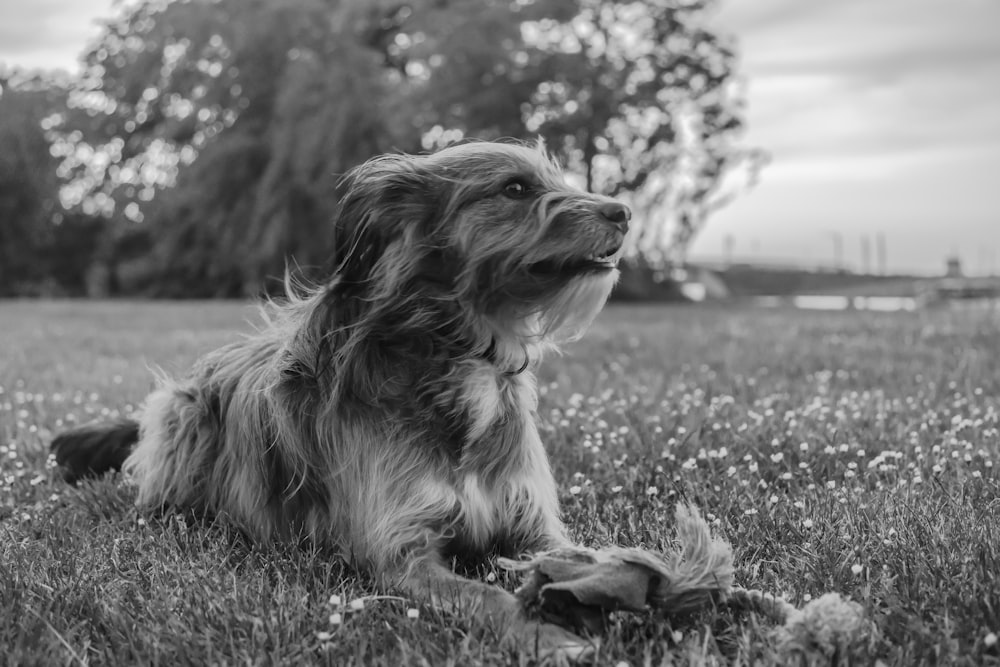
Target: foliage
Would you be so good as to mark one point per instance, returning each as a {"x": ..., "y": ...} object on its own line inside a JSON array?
[
  {"x": 641, "y": 97},
  {"x": 28, "y": 183},
  {"x": 227, "y": 124},
  {"x": 861, "y": 466},
  {"x": 224, "y": 125},
  {"x": 44, "y": 249}
]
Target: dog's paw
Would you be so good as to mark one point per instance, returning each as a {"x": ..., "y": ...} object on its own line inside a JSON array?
[{"x": 550, "y": 643}]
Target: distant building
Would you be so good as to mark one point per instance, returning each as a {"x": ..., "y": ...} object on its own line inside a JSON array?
[{"x": 955, "y": 286}]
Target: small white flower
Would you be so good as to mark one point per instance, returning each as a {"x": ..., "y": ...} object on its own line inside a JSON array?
[
  {"x": 491, "y": 577},
  {"x": 336, "y": 618},
  {"x": 616, "y": 489},
  {"x": 413, "y": 613},
  {"x": 324, "y": 636},
  {"x": 677, "y": 636},
  {"x": 652, "y": 491},
  {"x": 334, "y": 601},
  {"x": 357, "y": 605},
  {"x": 574, "y": 490},
  {"x": 990, "y": 639},
  {"x": 857, "y": 568},
  {"x": 808, "y": 523}
]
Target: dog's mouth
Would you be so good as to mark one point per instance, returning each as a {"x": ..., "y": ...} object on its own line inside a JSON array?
[{"x": 600, "y": 261}]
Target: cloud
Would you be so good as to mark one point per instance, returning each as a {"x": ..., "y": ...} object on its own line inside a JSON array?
[
  {"x": 890, "y": 59},
  {"x": 49, "y": 34},
  {"x": 878, "y": 114}
]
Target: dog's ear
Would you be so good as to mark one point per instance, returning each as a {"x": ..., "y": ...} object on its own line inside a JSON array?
[
  {"x": 387, "y": 204},
  {"x": 385, "y": 200}
]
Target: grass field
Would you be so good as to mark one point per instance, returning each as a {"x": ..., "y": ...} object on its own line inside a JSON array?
[{"x": 854, "y": 453}]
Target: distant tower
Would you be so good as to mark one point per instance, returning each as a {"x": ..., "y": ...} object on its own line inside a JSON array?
[
  {"x": 880, "y": 253},
  {"x": 866, "y": 255},
  {"x": 838, "y": 250},
  {"x": 954, "y": 269}
]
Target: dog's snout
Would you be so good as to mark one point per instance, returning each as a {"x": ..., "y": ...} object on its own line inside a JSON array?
[{"x": 617, "y": 213}]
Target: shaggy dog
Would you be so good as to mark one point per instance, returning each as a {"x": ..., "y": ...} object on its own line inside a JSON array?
[{"x": 390, "y": 413}]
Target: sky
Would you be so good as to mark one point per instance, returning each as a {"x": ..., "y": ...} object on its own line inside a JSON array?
[{"x": 882, "y": 117}]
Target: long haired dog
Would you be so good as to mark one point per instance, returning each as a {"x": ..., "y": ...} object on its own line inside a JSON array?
[{"x": 390, "y": 413}]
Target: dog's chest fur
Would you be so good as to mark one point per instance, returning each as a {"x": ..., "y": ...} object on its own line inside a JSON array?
[{"x": 502, "y": 479}]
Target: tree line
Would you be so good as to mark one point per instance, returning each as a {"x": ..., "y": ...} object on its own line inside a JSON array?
[{"x": 198, "y": 150}]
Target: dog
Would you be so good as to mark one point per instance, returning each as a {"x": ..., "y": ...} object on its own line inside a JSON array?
[{"x": 389, "y": 413}]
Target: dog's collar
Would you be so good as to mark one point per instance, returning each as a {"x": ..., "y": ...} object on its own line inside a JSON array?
[{"x": 491, "y": 356}]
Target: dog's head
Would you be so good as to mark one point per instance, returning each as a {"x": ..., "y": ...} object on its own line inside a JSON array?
[{"x": 491, "y": 229}]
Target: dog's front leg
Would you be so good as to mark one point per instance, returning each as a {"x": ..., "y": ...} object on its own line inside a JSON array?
[{"x": 427, "y": 579}]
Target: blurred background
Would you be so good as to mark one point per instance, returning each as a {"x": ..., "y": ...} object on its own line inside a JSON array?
[{"x": 832, "y": 154}]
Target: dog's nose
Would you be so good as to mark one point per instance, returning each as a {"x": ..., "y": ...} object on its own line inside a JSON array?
[{"x": 617, "y": 213}]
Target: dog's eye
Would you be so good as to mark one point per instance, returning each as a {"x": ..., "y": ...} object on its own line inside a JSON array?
[{"x": 516, "y": 189}]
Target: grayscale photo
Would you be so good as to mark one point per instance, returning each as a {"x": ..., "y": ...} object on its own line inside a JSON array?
[{"x": 499, "y": 332}]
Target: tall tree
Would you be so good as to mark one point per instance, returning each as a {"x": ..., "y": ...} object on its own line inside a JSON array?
[
  {"x": 640, "y": 98},
  {"x": 226, "y": 126},
  {"x": 29, "y": 187},
  {"x": 645, "y": 102},
  {"x": 222, "y": 126}
]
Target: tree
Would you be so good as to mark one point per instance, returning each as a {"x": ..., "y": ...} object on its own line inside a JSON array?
[
  {"x": 29, "y": 187},
  {"x": 220, "y": 127},
  {"x": 639, "y": 98},
  {"x": 227, "y": 125},
  {"x": 646, "y": 104}
]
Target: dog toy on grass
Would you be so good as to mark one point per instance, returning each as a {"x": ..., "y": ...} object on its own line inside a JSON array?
[{"x": 578, "y": 588}]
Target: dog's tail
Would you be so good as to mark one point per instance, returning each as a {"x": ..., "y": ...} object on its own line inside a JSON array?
[{"x": 96, "y": 448}]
